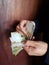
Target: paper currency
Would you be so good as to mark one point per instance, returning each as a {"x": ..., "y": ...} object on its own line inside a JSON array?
[
  {"x": 17, "y": 38},
  {"x": 30, "y": 28},
  {"x": 16, "y": 42}
]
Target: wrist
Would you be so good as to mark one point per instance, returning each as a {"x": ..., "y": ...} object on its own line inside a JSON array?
[{"x": 47, "y": 48}]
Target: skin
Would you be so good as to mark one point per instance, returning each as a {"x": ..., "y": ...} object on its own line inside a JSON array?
[
  {"x": 11, "y": 13},
  {"x": 16, "y": 10},
  {"x": 33, "y": 48}
]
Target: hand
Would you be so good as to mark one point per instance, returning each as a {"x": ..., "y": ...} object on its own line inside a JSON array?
[
  {"x": 36, "y": 48},
  {"x": 21, "y": 28}
]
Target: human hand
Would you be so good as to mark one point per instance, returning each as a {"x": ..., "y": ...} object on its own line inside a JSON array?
[
  {"x": 26, "y": 27},
  {"x": 21, "y": 28},
  {"x": 35, "y": 48}
]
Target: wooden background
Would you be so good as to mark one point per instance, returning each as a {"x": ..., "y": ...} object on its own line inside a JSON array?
[{"x": 12, "y": 11}]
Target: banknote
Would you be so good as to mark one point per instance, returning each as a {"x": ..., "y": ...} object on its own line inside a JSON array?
[
  {"x": 17, "y": 39},
  {"x": 16, "y": 42},
  {"x": 30, "y": 28},
  {"x": 16, "y": 50}
]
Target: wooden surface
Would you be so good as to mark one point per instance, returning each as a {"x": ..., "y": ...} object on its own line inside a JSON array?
[
  {"x": 7, "y": 58},
  {"x": 11, "y": 10},
  {"x": 18, "y": 9}
]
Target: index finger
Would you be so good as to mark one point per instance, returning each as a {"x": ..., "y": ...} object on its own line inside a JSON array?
[
  {"x": 30, "y": 43},
  {"x": 23, "y": 23}
]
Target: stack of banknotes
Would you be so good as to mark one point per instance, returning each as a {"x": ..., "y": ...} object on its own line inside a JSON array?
[
  {"x": 17, "y": 39},
  {"x": 16, "y": 42}
]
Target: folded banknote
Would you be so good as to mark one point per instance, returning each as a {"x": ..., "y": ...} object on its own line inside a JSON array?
[
  {"x": 16, "y": 42},
  {"x": 17, "y": 39}
]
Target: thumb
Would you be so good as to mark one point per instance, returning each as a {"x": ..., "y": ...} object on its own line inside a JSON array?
[{"x": 30, "y": 44}]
